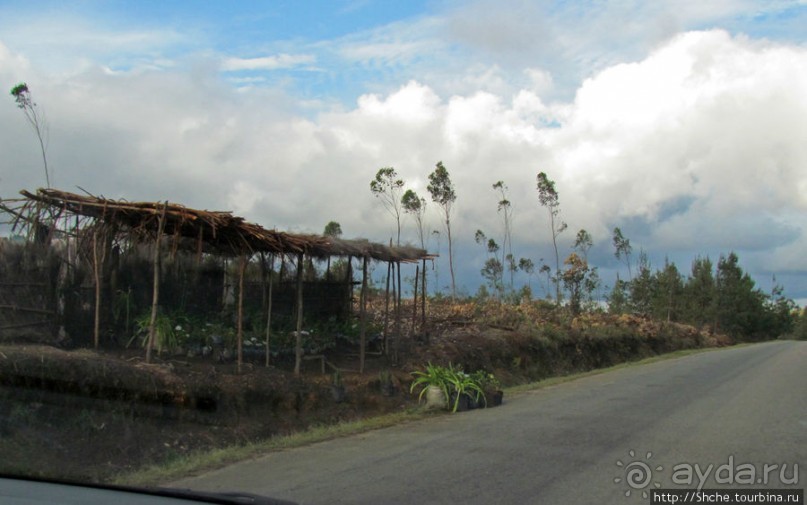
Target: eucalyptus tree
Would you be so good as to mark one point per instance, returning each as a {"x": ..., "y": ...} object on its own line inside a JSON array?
[
  {"x": 527, "y": 266},
  {"x": 442, "y": 192},
  {"x": 583, "y": 243},
  {"x": 623, "y": 249},
  {"x": 548, "y": 196},
  {"x": 493, "y": 269},
  {"x": 416, "y": 206},
  {"x": 505, "y": 208},
  {"x": 36, "y": 118},
  {"x": 574, "y": 279},
  {"x": 387, "y": 187}
]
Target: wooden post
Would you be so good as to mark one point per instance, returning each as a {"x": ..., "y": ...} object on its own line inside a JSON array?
[
  {"x": 269, "y": 308},
  {"x": 98, "y": 280},
  {"x": 350, "y": 278},
  {"x": 386, "y": 311},
  {"x": 240, "y": 324},
  {"x": 349, "y": 285},
  {"x": 423, "y": 298},
  {"x": 155, "y": 296},
  {"x": 363, "y": 315},
  {"x": 398, "y": 319},
  {"x": 298, "y": 346},
  {"x": 393, "y": 336},
  {"x": 415, "y": 300}
]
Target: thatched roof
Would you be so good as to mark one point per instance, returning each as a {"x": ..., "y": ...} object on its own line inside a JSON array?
[{"x": 221, "y": 231}]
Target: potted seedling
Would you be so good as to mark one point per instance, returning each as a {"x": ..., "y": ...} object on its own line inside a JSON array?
[
  {"x": 464, "y": 390},
  {"x": 491, "y": 386},
  {"x": 434, "y": 385}
]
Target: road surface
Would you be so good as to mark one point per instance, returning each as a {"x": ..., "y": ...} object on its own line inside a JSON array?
[{"x": 576, "y": 442}]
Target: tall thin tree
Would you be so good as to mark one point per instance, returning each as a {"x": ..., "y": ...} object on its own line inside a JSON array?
[
  {"x": 505, "y": 208},
  {"x": 442, "y": 192},
  {"x": 36, "y": 118},
  {"x": 387, "y": 187},
  {"x": 416, "y": 206},
  {"x": 548, "y": 196},
  {"x": 623, "y": 249}
]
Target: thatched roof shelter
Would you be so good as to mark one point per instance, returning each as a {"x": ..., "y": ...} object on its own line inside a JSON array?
[
  {"x": 197, "y": 230},
  {"x": 213, "y": 231}
]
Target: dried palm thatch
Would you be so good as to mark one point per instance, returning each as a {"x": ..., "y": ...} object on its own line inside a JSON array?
[
  {"x": 97, "y": 220},
  {"x": 203, "y": 230}
]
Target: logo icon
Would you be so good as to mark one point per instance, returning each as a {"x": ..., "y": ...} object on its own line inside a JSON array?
[{"x": 638, "y": 474}]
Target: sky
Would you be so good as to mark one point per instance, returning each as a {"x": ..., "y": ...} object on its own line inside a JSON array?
[{"x": 682, "y": 122}]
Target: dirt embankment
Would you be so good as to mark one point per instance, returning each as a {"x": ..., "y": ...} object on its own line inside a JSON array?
[{"x": 89, "y": 415}]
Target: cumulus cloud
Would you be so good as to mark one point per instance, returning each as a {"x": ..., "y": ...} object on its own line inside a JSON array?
[{"x": 696, "y": 147}]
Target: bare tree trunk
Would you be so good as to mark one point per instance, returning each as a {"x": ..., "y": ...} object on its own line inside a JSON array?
[{"x": 155, "y": 297}]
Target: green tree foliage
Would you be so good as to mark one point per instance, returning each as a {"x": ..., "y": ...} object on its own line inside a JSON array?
[
  {"x": 739, "y": 307},
  {"x": 722, "y": 299},
  {"x": 333, "y": 229},
  {"x": 416, "y": 207},
  {"x": 492, "y": 270},
  {"x": 618, "y": 299},
  {"x": 798, "y": 323},
  {"x": 642, "y": 288},
  {"x": 527, "y": 266},
  {"x": 442, "y": 192},
  {"x": 36, "y": 118},
  {"x": 583, "y": 243},
  {"x": 699, "y": 293},
  {"x": 387, "y": 187},
  {"x": 548, "y": 197},
  {"x": 667, "y": 297},
  {"x": 574, "y": 277}
]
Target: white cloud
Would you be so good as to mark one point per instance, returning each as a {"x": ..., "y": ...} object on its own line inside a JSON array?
[
  {"x": 267, "y": 62},
  {"x": 698, "y": 146}
]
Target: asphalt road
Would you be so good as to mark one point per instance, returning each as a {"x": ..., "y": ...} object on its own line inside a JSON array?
[{"x": 740, "y": 408}]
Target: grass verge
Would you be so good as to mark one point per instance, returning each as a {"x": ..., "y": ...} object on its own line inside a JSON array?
[
  {"x": 200, "y": 462},
  {"x": 552, "y": 381}
]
